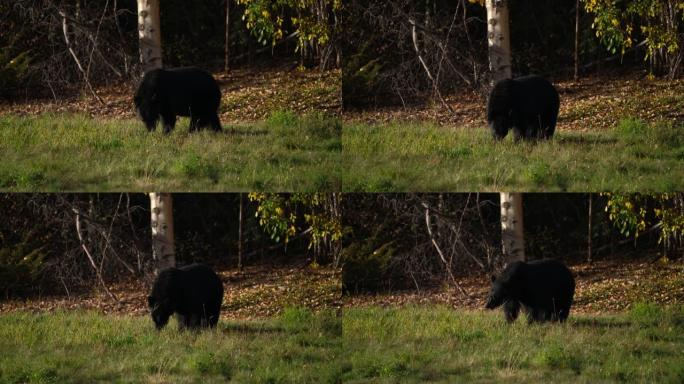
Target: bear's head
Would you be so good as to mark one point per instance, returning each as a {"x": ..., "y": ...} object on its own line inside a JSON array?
[
  {"x": 503, "y": 290},
  {"x": 147, "y": 98},
  {"x": 500, "y": 108},
  {"x": 500, "y": 124},
  {"x": 147, "y": 108},
  {"x": 160, "y": 310}
]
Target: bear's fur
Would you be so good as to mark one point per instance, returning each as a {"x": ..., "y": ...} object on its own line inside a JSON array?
[
  {"x": 528, "y": 105},
  {"x": 544, "y": 288},
  {"x": 194, "y": 293},
  {"x": 169, "y": 93}
]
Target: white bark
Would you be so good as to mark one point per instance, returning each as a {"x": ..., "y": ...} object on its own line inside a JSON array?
[
  {"x": 512, "y": 238},
  {"x": 163, "y": 248},
  {"x": 499, "y": 39},
  {"x": 149, "y": 34},
  {"x": 226, "y": 52}
]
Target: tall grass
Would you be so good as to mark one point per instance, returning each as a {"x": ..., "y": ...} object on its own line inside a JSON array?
[
  {"x": 438, "y": 344},
  {"x": 367, "y": 345},
  {"x": 424, "y": 157},
  {"x": 74, "y": 153},
  {"x": 287, "y": 152},
  {"x": 85, "y": 347}
]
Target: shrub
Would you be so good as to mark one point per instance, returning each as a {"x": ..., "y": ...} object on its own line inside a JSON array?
[{"x": 20, "y": 266}]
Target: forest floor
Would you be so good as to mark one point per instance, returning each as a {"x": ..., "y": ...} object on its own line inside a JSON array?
[
  {"x": 589, "y": 104},
  {"x": 605, "y": 286},
  {"x": 254, "y": 292},
  {"x": 247, "y": 96}
]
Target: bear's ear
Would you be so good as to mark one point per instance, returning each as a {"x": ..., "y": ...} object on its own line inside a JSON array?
[{"x": 493, "y": 278}]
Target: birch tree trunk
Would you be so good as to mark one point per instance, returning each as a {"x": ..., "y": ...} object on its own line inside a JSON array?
[
  {"x": 226, "y": 52},
  {"x": 499, "y": 39},
  {"x": 163, "y": 248},
  {"x": 149, "y": 34},
  {"x": 512, "y": 237},
  {"x": 577, "y": 8}
]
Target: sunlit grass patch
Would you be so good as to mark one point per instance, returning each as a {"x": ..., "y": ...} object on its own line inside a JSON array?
[
  {"x": 634, "y": 156},
  {"x": 438, "y": 344},
  {"x": 60, "y": 152},
  {"x": 299, "y": 346}
]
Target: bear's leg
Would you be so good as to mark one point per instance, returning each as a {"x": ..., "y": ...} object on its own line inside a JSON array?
[
  {"x": 197, "y": 320},
  {"x": 518, "y": 133},
  {"x": 182, "y": 321},
  {"x": 169, "y": 121},
  {"x": 213, "y": 315},
  {"x": 535, "y": 315},
  {"x": 563, "y": 314},
  {"x": 194, "y": 123},
  {"x": 549, "y": 124},
  {"x": 215, "y": 123},
  {"x": 511, "y": 310},
  {"x": 520, "y": 129},
  {"x": 151, "y": 125}
]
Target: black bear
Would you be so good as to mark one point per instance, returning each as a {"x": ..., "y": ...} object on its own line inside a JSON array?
[
  {"x": 527, "y": 104},
  {"x": 178, "y": 92},
  {"x": 544, "y": 288},
  {"x": 194, "y": 293}
]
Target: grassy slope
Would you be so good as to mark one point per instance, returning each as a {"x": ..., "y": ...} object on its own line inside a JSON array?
[
  {"x": 76, "y": 153},
  {"x": 439, "y": 344},
  {"x": 85, "y": 347},
  {"x": 633, "y": 156}
]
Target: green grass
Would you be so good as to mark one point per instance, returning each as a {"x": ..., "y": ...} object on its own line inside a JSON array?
[
  {"x": 76, "y": 153},
  {"x": 424, "y": 157},
  {"x": 85, "y": 347},
  {"x": 367, "y": 345},
  {"x": 442, "y": 345},
  {"x": 287, "y": 152}
]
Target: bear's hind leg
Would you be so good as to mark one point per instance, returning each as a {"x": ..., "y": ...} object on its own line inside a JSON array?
[
  {"x": 182, "y": 321},
  {"x": 169, "y": 122},
  {"x": 215, "y": 123},
  {"x": 549, "y": 125},
  {"x": 194, "y": 123},
  {"x": 535, "y": 315}
]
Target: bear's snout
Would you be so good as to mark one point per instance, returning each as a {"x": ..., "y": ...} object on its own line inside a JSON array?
[{"x": 491, "y": 303}]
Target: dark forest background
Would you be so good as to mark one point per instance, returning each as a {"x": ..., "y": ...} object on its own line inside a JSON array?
[
  {"x": 381, "y": 64},
  {"x": 385, "y": 243},
  {"x": 35, "y": 61},
  {"x": 40, "y": 250}
]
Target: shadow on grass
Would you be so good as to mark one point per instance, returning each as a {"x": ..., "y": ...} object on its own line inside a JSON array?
[
  {"x": 232, "y": 131},
  {"x": 581, "y": 140},
  {"x": 599, "y": 323},
  {"x": 251, "y": 329}
]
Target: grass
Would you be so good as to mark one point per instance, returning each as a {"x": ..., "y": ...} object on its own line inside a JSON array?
[
  {"x": 84, "y": 347},
  {"x": 287, "y": 152},
  {"x": 63, "y": 152},
  {"x": 633, "y": 156},
  {"x": 441, "y": 345},
  {"x": 410, "y": 344}
]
